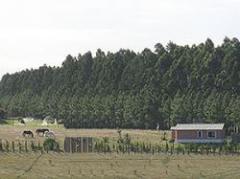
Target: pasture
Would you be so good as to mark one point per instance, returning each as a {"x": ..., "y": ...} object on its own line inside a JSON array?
[
  {"x": 11, "y": 130},
  {"x": 110, "y": 165},
  {"x": 60, "y": 165}
]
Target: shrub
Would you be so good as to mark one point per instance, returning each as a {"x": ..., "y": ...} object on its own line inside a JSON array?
[
  {"x": 196, "y": 146},
  {"x": 164, "y": 136},
  {"x": 166, "y": 147},
  {"x": 50, "y": 145},
  {"x": 220, "y": 150},
  {"x": 179, "y": 149},
  {"x": 201, "y": 148},
  {"x": 171, "y": 141},
  {"x": 214, "y": 148}
]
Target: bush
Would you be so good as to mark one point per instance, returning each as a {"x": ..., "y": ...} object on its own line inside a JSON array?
[
  {"x": 171, "y": 141},
  {"x": 50, "y": 145},
  {"x": 166, "y": 147},
  {"x": 164, "y": 136},
  {"x": 179, "y": 149}
]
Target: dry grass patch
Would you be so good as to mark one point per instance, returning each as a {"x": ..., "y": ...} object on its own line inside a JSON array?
[{"x": 56, "y": 165}]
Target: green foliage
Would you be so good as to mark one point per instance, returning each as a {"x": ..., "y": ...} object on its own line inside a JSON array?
[
  {"x": 166, "y": 147},
  {"x": 125, "y": 89},
  {"x": 50, "y": 145},
  {"x": 102, "y": 145},
  {"x": 179, "y": 149},
  {"x": 164, "y": 136},
  {"x": 124, "y": 144}
]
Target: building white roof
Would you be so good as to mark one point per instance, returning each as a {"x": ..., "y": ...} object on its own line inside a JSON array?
[{"x": 196, "y": 126}]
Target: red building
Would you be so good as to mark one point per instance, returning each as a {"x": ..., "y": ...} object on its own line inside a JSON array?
[{"x": 198, "y": 133}]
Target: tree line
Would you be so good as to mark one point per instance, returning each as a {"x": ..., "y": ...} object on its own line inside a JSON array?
[{"x": 149, "y": 89}]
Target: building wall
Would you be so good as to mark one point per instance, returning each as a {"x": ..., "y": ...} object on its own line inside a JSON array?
[{"x": 192, "y": 134}]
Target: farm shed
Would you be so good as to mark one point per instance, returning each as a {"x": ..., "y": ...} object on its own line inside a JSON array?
[{"x": 198, "y": 133}]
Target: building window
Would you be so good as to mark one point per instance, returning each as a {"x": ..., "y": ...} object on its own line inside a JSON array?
[
  {"x": 199, "y": 134},
  {"x": 211, "y": 134}
]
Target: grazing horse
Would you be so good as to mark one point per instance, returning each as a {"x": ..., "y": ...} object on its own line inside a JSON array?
[
  {"x": 27, "y": 133},
  {"x": 49, "y": 134},
  {"x": 41, "y": 131},
  {"x": 21, "y": 121}
]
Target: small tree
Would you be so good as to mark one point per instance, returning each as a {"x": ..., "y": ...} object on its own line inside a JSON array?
[
  {"x": 164, "y": 136},
  {"x": 50, "y": 145},
  {"x": 127, "y": 141},
  {"x": 201, "y": 149},
  {"x": 105, "y": 144},
  {"x": 220, "y": 150},
  {"x": 167, "y": 147},
  {"x": 179, "y": 149},
  {"x": 120, "y": 141}
]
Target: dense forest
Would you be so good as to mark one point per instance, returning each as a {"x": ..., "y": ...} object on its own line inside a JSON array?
[{"x": 172, "y": 84}]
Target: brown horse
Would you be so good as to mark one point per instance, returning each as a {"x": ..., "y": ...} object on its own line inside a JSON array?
[
  {"x": 27, "y": 134},
  {"x": 41, "y": 131}
]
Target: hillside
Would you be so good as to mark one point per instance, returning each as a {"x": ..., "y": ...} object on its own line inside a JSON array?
[{"x": 198, "y": 83}]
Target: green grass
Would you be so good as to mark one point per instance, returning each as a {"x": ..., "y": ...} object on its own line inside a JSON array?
[{"x": 8, "y": 122}]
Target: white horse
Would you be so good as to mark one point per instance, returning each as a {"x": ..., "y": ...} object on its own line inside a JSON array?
[{"x": 49, "y": 134}]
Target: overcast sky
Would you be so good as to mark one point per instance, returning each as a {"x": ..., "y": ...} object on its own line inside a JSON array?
[{"x": 37, "y": 32}]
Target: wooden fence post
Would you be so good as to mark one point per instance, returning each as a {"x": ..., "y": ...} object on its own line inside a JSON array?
[
  {"x": 1, "y": 145},
  {"x": 26, "y": 146},
  {"x": 7, "y": 146},
  {"x": 13, "y": 146},
  {"x": 19, "y": 147}
]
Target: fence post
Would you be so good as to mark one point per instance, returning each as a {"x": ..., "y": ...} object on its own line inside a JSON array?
[
  {"x": 19, "y": 147},
  {"x": 32, "y": 146},
  {"x": 26, "y": 146},
  {"x": 1, "y": 145},
  {"x": 13, "y": 146},
  {"x": 7, "y": 146}
]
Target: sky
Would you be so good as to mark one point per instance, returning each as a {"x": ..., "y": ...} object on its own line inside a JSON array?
[{"x": 37, "y": 32}]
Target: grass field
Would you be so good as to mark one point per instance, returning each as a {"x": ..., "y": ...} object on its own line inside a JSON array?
[
  {"x": 55, "y": 165},
  {"x": 11, "y": 130},
  {"x": 98, "y": 165}
]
